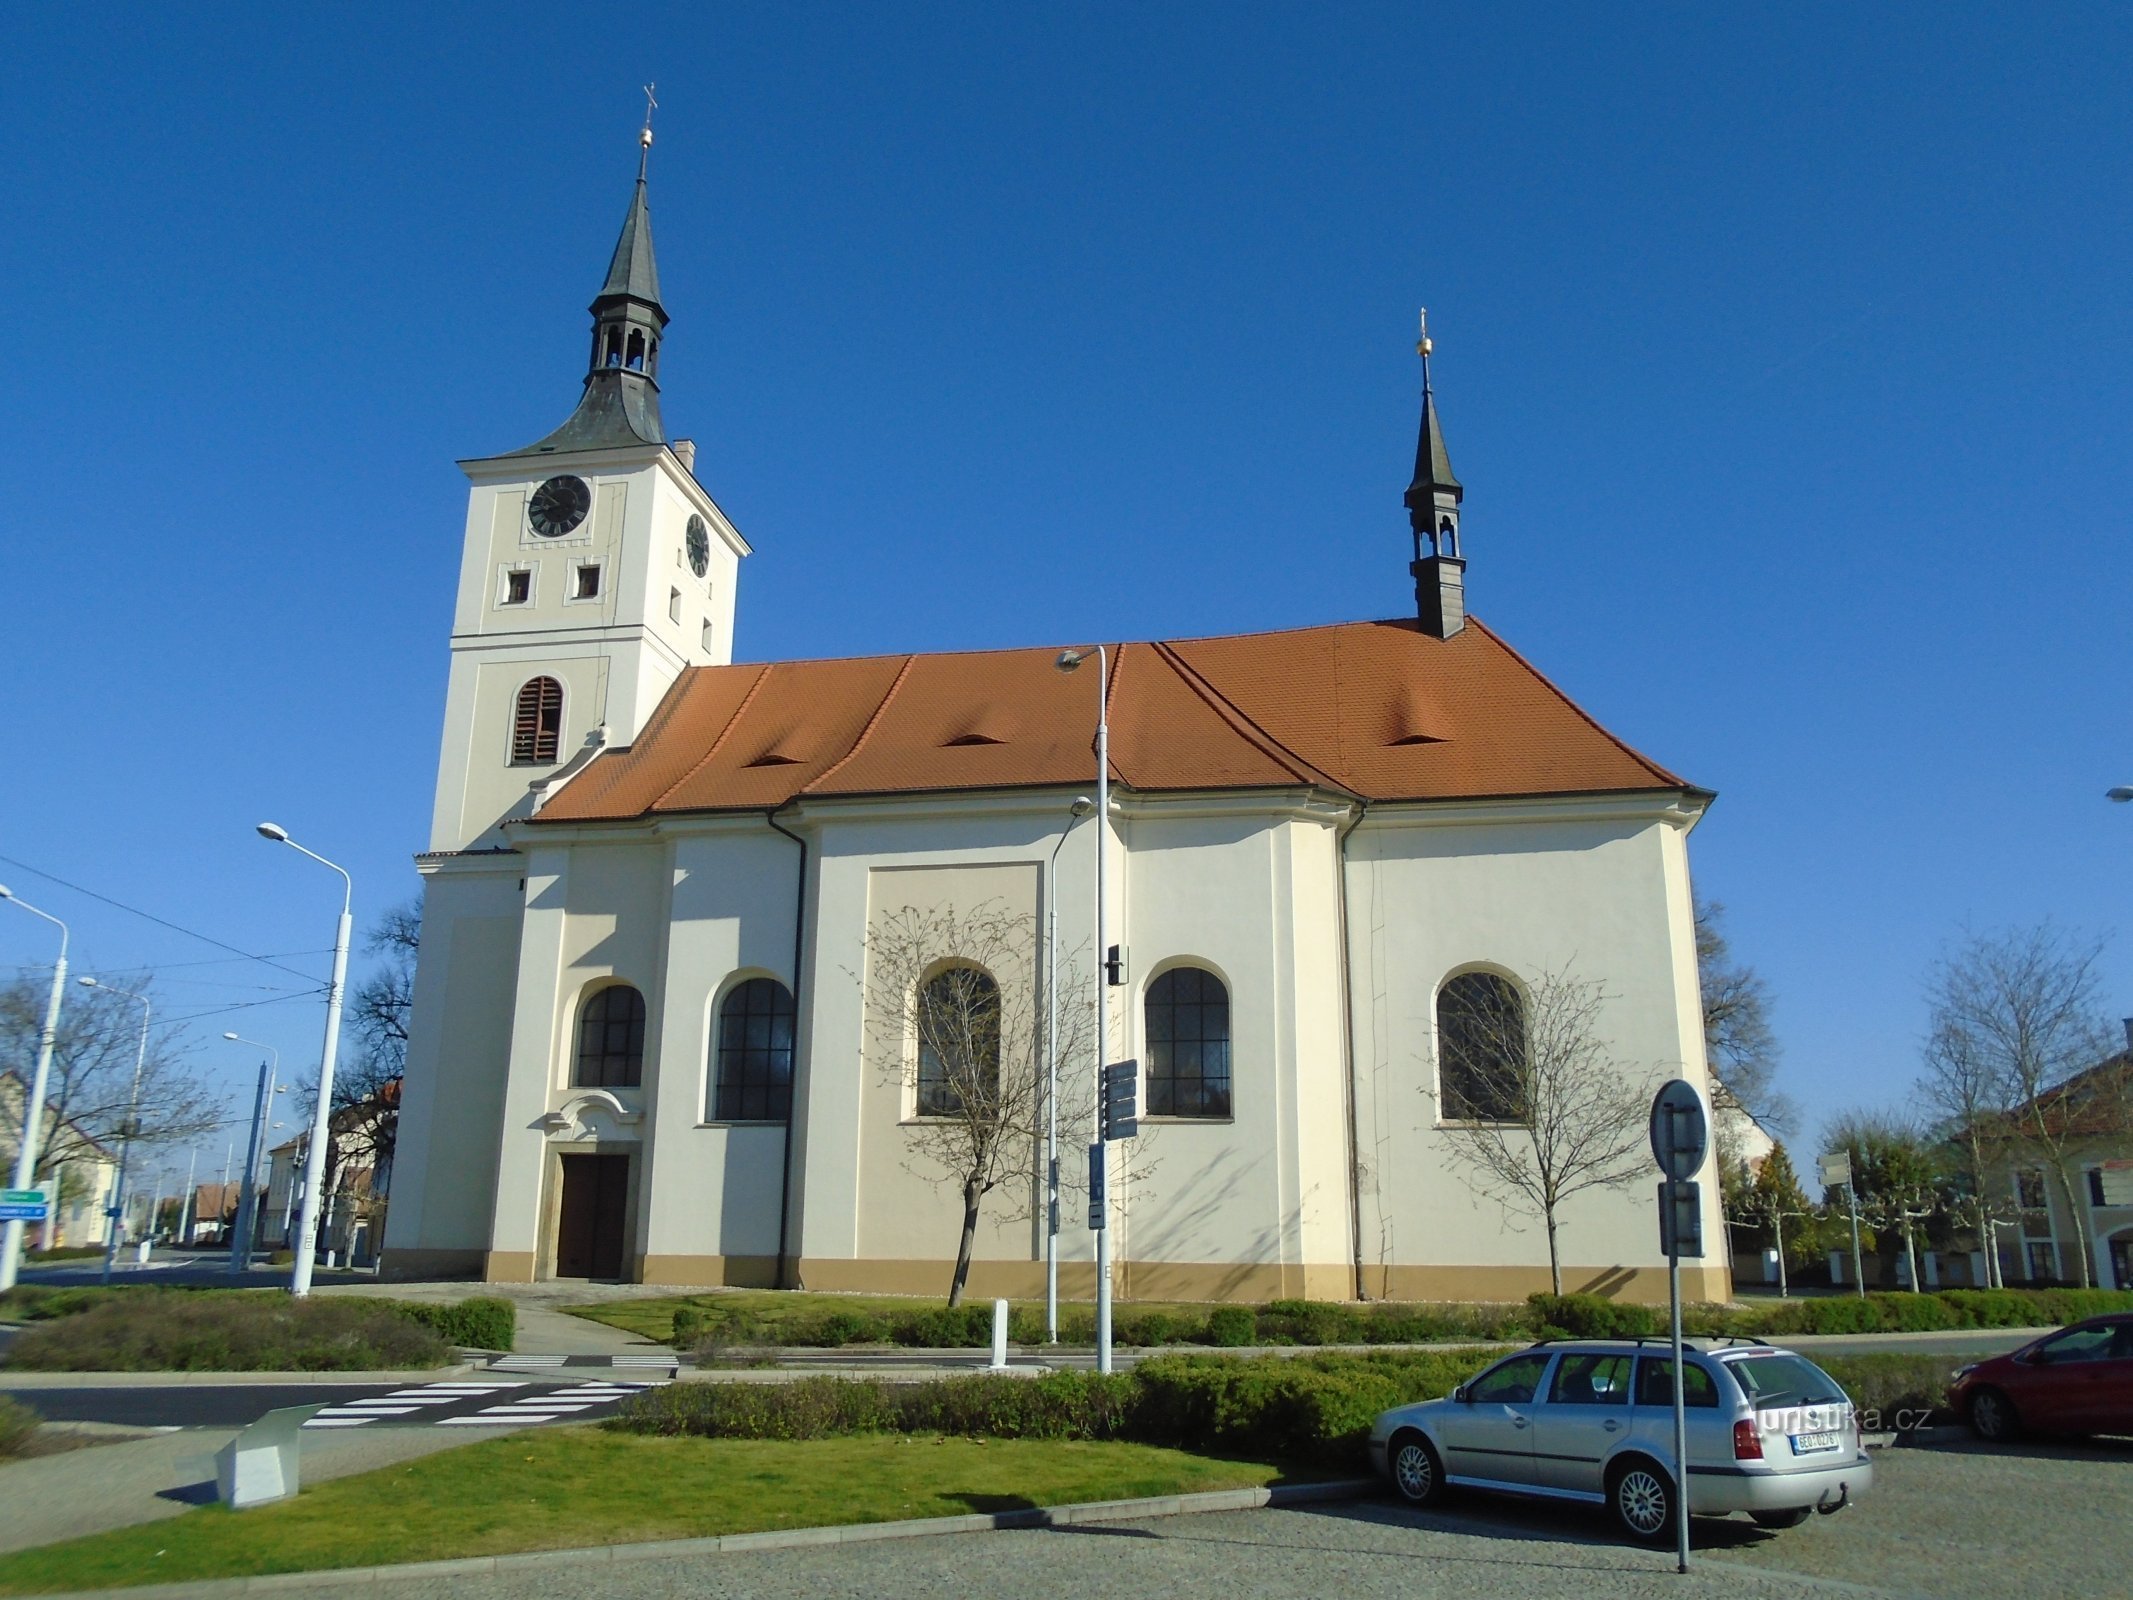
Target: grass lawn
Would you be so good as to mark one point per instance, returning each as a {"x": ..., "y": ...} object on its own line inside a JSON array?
[
  {"x": 556, "y": 1488},
  {"x": 773, "y": 1309}
]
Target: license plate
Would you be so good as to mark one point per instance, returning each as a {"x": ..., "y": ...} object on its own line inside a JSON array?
[{"x": 1808, "y": 1443}]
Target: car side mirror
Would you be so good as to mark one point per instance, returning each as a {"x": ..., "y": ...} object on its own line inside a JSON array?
[{"x": 1461, "y": 1395}]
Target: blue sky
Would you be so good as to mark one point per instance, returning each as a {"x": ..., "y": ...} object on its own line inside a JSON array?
[{"x": 1783, "y": 354}]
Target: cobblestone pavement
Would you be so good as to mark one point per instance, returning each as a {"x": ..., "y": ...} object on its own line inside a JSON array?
[{"x": 1951, "y": 1523}]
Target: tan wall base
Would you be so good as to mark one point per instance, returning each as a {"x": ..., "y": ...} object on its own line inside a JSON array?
[
  {"x": 404, "y": 1265},
  {"x": 1633, "y": 1285},
  {"x": 737, "y": 1272},
  {"x": 507, "y": 1266}
]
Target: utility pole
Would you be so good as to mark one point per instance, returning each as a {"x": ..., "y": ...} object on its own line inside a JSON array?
[{"x": 33, "y": 1102}]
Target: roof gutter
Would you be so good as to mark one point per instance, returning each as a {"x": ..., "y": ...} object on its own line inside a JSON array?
[
  {"x": 799, "y": 950},
  {"x": 1355, "y": 1170}
]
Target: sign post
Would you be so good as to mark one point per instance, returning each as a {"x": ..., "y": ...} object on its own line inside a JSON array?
[
  {"x": 1681, "y": 1135},
  {"x": 1836, "y": 1172},
  {"x": 24, "y": 1205},
  {"x": 1117, "y": 1117}
]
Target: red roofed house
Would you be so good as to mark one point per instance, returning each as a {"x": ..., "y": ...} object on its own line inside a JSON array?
[{"x": 640, "y": 1048}]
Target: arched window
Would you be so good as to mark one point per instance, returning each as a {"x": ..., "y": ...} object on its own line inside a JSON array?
[
  {"x": 1188, "y": 1044},
  {"x": 754, "y": 1072},
  {"x": 1481, "y": 1049},
  {"x": 636, "y": 360},
  {"x": 537, "y": 726},
  {"x": 614, "y": 347},
  {"x": 611, "y": 1039},
  {"x": 958, "y": 1043}
]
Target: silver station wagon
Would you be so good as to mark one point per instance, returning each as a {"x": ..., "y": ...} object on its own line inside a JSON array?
[{"x": 1592, "y": 1421}]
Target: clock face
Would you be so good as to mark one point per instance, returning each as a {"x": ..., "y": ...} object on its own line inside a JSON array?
[
  {"x": 558, "y": 506},
  {"x": 699, "y": 547}
]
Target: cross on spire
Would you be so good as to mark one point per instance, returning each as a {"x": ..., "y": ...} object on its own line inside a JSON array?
[{"x": 644, "y": 138}]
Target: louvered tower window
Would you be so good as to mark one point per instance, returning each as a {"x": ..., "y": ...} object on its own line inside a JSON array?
[{"x": 537, "y": 728}]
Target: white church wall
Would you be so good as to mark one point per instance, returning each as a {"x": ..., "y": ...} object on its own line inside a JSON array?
[
  {"x": 458, "y": 1056},
  {"x": 1593, "y": 888},
  {"x": 713, "y": 1189}
]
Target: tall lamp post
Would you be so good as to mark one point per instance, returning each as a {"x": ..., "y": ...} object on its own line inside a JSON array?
[
  {"x": 315, "y": 1157},
  {"x": 33, "y": 1105},
  {"x": 132, "y": 1127},
  {"x": 248, "y": 1207},
  {"x": 1082, "y": 806},
  {"x": 1100, "y": 1188}
]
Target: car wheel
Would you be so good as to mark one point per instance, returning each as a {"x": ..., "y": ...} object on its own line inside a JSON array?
[
  {"x": 1416, "y": 1472},
  {"x": 1782, "y": 1519},
  {"x": 1641, "y": 1496},
  {"x": 1992, "y": 1416}
]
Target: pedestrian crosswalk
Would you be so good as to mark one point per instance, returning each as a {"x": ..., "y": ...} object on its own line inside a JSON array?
[{"x": 493, "y": 1402}]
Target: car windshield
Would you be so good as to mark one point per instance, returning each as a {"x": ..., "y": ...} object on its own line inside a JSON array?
[{"x": 1777, "y": 1380}]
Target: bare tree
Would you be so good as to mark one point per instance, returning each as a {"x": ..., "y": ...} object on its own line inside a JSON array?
[
  {"x": 1967, "y": 1093},
  {"x": 1573, "y": 1117},
  {"x": 1738, "y": 1041},
  {"x": 952, "y": 1000},
  {"x": 2021, "y": 1012},
  {"x": 1900, "y": 1177},
  {"x": 90, "y": 1087}
]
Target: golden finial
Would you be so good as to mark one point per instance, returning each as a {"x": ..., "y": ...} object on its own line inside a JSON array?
[{"x": 1423, "y": 346}]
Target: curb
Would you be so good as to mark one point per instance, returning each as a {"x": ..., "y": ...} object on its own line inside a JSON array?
[
  {"x": 1170, "y": 1505},
  {"x": 10, "y": 1379}
]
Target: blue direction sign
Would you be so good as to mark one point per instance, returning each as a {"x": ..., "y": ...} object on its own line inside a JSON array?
[{"x": 24, "y": 1205}]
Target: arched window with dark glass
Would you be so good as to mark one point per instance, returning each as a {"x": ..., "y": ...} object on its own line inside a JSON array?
[
  {"x": 1481, "y": 1049},
  {"x": 537, "y": 724},
  {"x": 611, "y": 1039},
  {"x": 1188, "y": 1044},
  {"x": 958, "y": 1027},
  {"x": 753, "y": 1072}
]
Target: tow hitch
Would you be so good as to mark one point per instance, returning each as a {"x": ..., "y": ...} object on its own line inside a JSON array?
[{"x": 1844, "y": 1498}]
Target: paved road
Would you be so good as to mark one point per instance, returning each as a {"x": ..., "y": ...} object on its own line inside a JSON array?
[
  {"x": 1955, "y": 1523},
  {"x": 475, "y": 1402}
]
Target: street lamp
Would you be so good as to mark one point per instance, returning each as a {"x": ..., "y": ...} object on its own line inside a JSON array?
[
  {"x": 132, "y": 1127},
  {"x": 1081, "y": 807},
  {"x": 241, "y": 1244},
  {"x": 315, "y": 1158},
  {"x": 33, "y": 1107},
  {"x": 1100, "y": 1180}
]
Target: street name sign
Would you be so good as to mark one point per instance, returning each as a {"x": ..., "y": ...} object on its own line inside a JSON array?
[{"x": 24, "y": 1205}]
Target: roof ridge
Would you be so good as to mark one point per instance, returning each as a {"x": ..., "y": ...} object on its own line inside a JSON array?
[
  {"x": 1218, "y": 702},
  {"x": 762, "y": 675},
  {"x": 873, "y": 722},
  {"x": 1590, "y": 721}
]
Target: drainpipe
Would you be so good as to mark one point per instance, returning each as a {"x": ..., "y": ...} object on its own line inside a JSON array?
[
  {"x": 799, "y": 949},
  {"x": 1355, "y": 1172}
]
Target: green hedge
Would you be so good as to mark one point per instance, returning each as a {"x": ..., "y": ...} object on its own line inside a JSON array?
[
  {"x": 179, "y": 1330},
  {"x": 1321, "y": 1322},
  {"x": 1306, "y": 1408},
  {"x": 18, "y": 1426},
  {"x": 482, "y": 1323}
]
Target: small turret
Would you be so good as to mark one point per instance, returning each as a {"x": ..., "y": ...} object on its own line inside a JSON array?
[{"x": 1433, "y": 513}]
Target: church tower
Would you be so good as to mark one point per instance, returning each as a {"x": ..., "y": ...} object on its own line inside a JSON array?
[
  {"x": 1433, "y": 513},
  {"x": 595, "y": 569}
]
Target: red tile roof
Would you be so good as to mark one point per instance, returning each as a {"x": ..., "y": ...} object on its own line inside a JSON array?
[{"x": 1376, "y": 709}]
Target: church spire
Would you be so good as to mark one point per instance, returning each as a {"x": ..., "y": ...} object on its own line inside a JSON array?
[
  {"x": 1433, "y": 514},
  {"x": 620, "y": 405}
]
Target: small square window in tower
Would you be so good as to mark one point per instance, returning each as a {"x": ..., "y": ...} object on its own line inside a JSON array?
[
  {"x": 587, "y": 584},
  {"x": 704, "y": 638},
  {"x": 518, "y": 587},
  {"x": 673, "y": 605}
]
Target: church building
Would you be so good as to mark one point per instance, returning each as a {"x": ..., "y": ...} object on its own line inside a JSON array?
[{"x": 644, "y": 1042}]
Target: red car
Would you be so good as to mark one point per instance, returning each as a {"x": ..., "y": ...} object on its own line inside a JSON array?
[{"x": 2078, "y": 1380}]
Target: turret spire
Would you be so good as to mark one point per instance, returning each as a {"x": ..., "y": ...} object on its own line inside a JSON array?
[
  {"x": 620, "y": 405},
  {"x": 1432, "y": 501}
]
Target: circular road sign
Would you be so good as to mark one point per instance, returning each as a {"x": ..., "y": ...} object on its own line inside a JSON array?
[{"x": 1680, "y": 1131}]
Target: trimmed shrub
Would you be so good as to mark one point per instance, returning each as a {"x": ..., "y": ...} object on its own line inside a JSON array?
[
  {"x": 1145, "y": 1329},
  {"x": 943, "y": 1328},
  {"x": 811, "y": 1408},
  {"x": 178, "y": 1330},
  {"x": 485, "y": 1322},
  {"x": 18, "y": 1426},
  {"x": 1058, "y": 1405},
  {"x": 688, "y": 1328},
  {"x": 1588, "y": 1316},
  {"x": 1230, "y": 1326},
  {"x": 1881, "y": 1385},
  {"x": 1309, "y": 1322}
]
